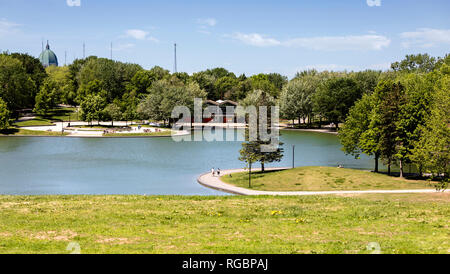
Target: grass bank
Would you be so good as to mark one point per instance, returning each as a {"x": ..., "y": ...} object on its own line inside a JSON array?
[
  {"x": 401, "y": 223},
  {"x": 54, "y": 115},
  {"x": 25, "y": 132},
  {"x": 322, "y": 179}
]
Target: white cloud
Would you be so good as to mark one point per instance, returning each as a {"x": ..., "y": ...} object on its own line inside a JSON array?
[
  {"x": 7, "y": 27},
  {"x": 381, "y": 66},
  {"x": 327, "y": 67},
  {"x": 426, "y": 37},
  {"x": 73, "y": 3},
  {"x": 328, "y": 43},
  {"x": 352, "y": 42},
  {"x": 121, "y": 47},
  {"x": 255, "y": 39},
  {"x": 210, "y": 22},
  {"x": 140, "y": 35},
  {"x": 374, "y": 3}
]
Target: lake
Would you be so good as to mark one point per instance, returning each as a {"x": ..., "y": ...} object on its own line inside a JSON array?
[{"x": 41, "y": 166}]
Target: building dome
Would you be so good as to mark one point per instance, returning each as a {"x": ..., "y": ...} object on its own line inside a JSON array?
[{"x": 48, "y": 57}]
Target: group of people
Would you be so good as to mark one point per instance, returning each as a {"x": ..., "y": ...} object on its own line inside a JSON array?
[{"x": 215, "y": 172}]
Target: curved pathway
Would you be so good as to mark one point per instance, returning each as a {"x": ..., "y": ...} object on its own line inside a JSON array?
[
  {"x": 216, "y": 183},
  {"x": 95, "y": 132}
]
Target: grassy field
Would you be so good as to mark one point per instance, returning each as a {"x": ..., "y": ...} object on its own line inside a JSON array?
[
  {"x": 407, "y": 223},
  {"x": 34, "y": 122},
  {"x": 25, "y": 132},
  {"x": 54, "y": 115},
  {"x": 322, "y": 179}
]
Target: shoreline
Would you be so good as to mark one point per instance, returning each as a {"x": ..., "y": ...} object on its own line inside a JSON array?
[{"x": 327, "y": 131}]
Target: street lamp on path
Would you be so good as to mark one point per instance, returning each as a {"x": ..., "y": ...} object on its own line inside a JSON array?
[{"x": 293, "y": 156}]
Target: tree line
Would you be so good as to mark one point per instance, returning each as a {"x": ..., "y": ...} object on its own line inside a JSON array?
[
  {"x": 405, "y": 120},
  {"x": 108, "y": 90}
]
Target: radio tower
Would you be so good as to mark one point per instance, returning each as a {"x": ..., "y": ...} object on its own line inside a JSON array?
[{"x": 175, "y": 65}]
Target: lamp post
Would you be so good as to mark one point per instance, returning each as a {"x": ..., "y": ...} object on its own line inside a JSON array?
[{"x": 293, "y": 156}]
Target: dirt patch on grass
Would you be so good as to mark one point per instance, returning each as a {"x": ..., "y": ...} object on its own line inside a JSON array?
[
  {"x": 116, "y": 241},
  {"x": 65, "y": 235}
]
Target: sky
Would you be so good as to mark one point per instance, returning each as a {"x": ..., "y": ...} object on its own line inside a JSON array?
[{"x": 246, "y": 36}]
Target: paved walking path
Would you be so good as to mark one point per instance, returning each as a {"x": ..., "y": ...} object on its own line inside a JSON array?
[
  {"x": 216, "y": 183},
  {"x": 94, "y": 132}
]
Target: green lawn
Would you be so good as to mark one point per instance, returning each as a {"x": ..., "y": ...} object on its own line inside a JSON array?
[
  {"x": 34, "y": 122},
  {"x": 322, "y": 179},
  {"x": 54, "y": 115},
  {"x": 25, "y": 132},
  {"x": 407, "y": 223}
]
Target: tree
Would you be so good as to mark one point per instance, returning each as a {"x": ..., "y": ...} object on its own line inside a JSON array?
[
  {"x": 34, "y": 69},
  {"x": 4, "y": 115},
  {"x": 416, "y": 63},
  {"x": 262, "y": 82},
  {"x": 356, "y": 136},
  {"x": 432, "y": 150},
  {"x": 391, "y": 142},
  {"x": 419, "y": 89},
  {"x": 92, "y": 108},
  {"x": 206, "y": 82},
  {"x": 277, "y": 80},
  {"x": 141, "y": 82},
  {"x": 65, "y": 85},
  {"x": 250, "y": 153},
  {"x": 113, "y": 112},
  {"x": 181, "y": 76},
  {"x": 260, "y": 98},
  {"x": 367, "y": 80},
  {"x": 218, "y": 73},
  {"x": 15, "y": 83},
  {"x": 112, "y": 76},
  {"x": 225, "y": 87},
  {"x": 47, "y": 97},
  {"x": 165, "y": 95},
  {"x": 334, "y": 98},
  {"x": 296, "y": 100}
]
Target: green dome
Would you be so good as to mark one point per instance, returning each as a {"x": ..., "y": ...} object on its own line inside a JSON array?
[{"x": 48, "y": 57}]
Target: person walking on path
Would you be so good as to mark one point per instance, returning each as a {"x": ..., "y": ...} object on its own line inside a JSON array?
[
  {"x": 218, "y": 172},
  {"x": 213, "y": 172}
]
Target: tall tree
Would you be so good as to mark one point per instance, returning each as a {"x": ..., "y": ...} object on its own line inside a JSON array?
[
  {"x": 47, "y": 97},
  {"x": 4, "y": 115},
  {"x": 416, "y": 63},
  {"x": 249, "y": 153},
  {"x": 296, "y": 100},
  {"x": 334, "y": 98},
  {"x": 432, "y": 150},
  {"x": 34, "y": 69},
  {"x": 260, "y": 98},
  {"x": 112, "y": 112},
  {"x": 92, "y": 108},
  {"x": 356, "y": 136},
  {"x": 15, "y": 83},
  {"x": 391, "y": 143}
]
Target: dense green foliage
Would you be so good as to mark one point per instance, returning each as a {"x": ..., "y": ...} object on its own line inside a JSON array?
[
  {"x": 4, "y": 115},
  {"x": 406, "y": 120}
]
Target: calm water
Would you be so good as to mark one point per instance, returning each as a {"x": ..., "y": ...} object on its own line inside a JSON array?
[{"x": 36, "y": 166}]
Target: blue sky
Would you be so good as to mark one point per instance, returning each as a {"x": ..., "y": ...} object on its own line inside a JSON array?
[{"x": 243, "y": 36}]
